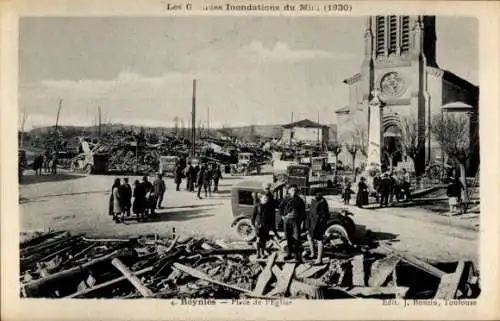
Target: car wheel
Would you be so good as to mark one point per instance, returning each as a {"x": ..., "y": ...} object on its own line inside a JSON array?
[
  {"x": 245, "y": 230},
  {"x": 335, "y": 232}
]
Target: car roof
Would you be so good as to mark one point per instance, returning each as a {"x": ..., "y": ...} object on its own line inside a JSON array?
[{"x": 256, "y": 185}]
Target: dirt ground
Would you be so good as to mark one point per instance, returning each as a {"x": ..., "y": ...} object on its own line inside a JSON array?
[{"x": 78, "y": 203}]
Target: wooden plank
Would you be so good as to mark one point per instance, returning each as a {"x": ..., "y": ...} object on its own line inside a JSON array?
[
  {"x": 432, "y": 270},
  {"x": 283, "y": 280},
  {"x": 265, "y": 275},
  {"x": 310, "y": 271},
  {"x": 298, "y": 288},
  {"x": 143, "y": 290},
  {"x": 365, "y": 291},
  {"x": 108, "y": 283},
  {"x": 381, "y": 270},
  {"x": 448, "y": 286},
  {"x": 200, "y": 275},
  {"x": 358, "y": 270}
]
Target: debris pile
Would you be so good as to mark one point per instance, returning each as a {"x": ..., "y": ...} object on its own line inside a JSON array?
[{"x": 61, "y": 265}]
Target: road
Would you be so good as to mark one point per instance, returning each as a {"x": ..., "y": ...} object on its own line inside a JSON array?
[{"x": 78, "y": 203}]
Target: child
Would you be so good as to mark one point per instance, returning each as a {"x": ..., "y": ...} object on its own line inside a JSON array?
[{"x": 346, "y": 192}]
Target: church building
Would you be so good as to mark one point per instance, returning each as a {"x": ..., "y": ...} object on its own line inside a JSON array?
[{"x": 400, "y": 63}]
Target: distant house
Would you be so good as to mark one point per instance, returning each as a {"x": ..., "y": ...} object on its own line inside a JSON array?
[{"x": 305, "y": 131}]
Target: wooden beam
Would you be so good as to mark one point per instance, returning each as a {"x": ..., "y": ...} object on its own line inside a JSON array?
[
  {"x": 410, "y": 259},
  {"x": 265, "y": 275},
  {"x": 108, "y": 283},
  {"x": 284, "y": 280},
  {"x": 358, "y": 270},
  {"x": 143, "y": 290},
  {"x": 381, "y": 270},
  {"x": 448, "y": 286},
  {"x": 36, "y": 284}
]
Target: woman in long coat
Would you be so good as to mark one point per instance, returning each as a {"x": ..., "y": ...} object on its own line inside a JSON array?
[{"x": 362, "y": 195}]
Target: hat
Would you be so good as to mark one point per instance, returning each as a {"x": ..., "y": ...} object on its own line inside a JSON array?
[{"x": 267, "y": 185}]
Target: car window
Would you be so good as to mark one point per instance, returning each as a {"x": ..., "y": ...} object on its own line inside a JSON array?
[
  {"x": 245, "y": 198},
  {"x": 298, "y": 171}
]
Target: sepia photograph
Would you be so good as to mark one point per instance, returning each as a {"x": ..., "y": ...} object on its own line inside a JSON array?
[{"x": 237, "y": 158}]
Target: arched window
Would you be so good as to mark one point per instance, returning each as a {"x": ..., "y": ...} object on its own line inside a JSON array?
[
  {"x": 405, "y": 33},
  {"x": 393, "y": 34},
  {"x": 380, "y": 43}
]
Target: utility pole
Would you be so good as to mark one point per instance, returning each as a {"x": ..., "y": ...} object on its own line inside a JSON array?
[
  {"x": 57, "y": 117},
  {"x": 208, "y": 118},
  {"x": 99, "y": 125},
  {"x": 318, "y": 129},
  {"x": 193, "y": 121},
  {"x": 23, "y": 122}
]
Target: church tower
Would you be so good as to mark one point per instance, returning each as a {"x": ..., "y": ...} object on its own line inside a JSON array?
[{"x": 399, "y": 63}]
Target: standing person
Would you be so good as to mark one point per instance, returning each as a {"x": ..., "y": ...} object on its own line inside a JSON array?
[
  {"x": 126, "y": 195},
  {"x": 150, "y": 196},
  {"x": 139, "y": 206},
  {"x": 394, "y": 189},
  {"x": 117, "y": 202},
  {"x": 263, "y": 221},
  {"x": 294, "y": 213},
  {"x": 385, "y": 190},
  {"x": 178, "y": 176},
  {"x": 406, "y": 185},
  {"x": 53, "y": 164},
  {"x": 196, "y": 172},
  {"x": 189, "y": 176},
  {"x": 453, "y": 191},
  {"x": 346, "y": 192},
  {"x": 316, "y": 223},
  {"x": 362, "y": 194},
  {"x": 199, "y": 180},
  {"x": 217, "y": 175},
  {"x": 159, "y": 189},
  {"x": 207, "y": 181},
  {"x": 376, "y": 186}
]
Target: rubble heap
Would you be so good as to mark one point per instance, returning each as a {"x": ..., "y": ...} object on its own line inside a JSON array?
[{"x": 61, "y": 265}]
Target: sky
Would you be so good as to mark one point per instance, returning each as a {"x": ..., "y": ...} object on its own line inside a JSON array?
[{"x": 249, "y": 70}]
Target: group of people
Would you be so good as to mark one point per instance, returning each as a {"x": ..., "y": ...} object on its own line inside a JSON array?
[
  {"x": 386, "y": 187},
  {"x": 147, "y": 197},
  {"x": 46, "y": 162},
  {"x": 199, "y": 178},
  {"x": 295, "y": 219}
]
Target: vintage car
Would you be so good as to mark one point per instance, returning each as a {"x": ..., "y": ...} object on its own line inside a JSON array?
[
  {"x": 247, "y": 163},
  {"x": 168, "y": 165},
  {"x": 340, "y": 225}
]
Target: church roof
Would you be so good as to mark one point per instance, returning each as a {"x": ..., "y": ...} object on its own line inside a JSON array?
[
  {"x": 305, "y": 123},
  {"x": 457, "y": 106},
  {"x": 343, "y": 110},
  {"x": 353, "y": 79},
  {"x": 448, "y": 75}
]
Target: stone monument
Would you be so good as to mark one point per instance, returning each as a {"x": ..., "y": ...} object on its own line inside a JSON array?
[{"x": 375, "y": 139}]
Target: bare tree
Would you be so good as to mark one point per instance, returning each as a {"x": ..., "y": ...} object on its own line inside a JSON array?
[
  {"x": 412, "y": 146},
  {"x": 356, "y": 141},
  {"x": 451, "y": 131},
  {"x": 336, "y": 148}
]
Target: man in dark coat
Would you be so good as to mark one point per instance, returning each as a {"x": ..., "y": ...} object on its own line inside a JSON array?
[
  {"x": 263, "y": 221},
  {"x": 293, "y": 215},
  {"x": 199, "y": 180},
  {"x": 207, "y": 181},
  {"x": 385, "y": 188},
  {"x": 159, "y": 189},
  {"x": 126, "y": 195},
  {"x": 178, "y": 176},
  {"x": 217, "y": 175},
  {"x": 139, "y": 206},
  {"x": 196, "y": 171},
  {"x": 150, "y": 196},
  {"x": 316, "y": 223}
]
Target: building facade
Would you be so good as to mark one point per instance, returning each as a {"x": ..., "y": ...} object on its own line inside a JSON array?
[
  {"x": 305, "y": 131},
  {"x": 400, "y": 63}
]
